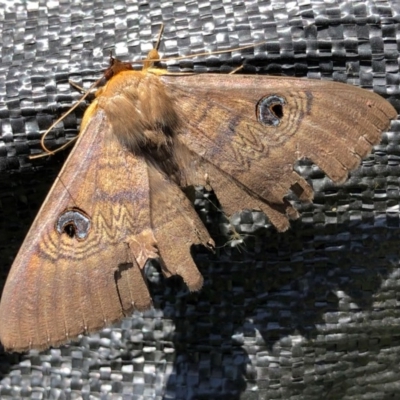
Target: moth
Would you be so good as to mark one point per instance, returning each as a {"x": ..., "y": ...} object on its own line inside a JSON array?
[{"x": 119, "y": 199}]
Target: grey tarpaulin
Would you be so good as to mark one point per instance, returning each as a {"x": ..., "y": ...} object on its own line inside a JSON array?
[{"x": 312, "y": 313}]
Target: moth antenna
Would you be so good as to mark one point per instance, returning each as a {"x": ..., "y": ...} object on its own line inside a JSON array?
[
  {"x": 249, "y": 46},
  {"x": 157, "y": 45},
  {"x": 48, "y": 152},
  {"x": 153, "y": 55}
]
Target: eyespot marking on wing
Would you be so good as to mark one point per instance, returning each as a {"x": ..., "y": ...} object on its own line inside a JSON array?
[
  {"x": 270, "y": 110},
  {"x": 74, "y": 222}
]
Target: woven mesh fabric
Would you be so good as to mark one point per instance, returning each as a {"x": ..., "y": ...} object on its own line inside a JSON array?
[{"x": 312, "y": 313}]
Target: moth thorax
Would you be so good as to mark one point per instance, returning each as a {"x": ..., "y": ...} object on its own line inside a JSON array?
[{"x": 140, "y": 112}]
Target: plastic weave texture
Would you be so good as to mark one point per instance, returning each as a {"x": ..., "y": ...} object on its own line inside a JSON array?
[{"x": 308, "y": 314}]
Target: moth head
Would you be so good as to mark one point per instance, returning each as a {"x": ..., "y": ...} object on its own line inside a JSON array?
[
  {"x": 116, "y": 66},
  {"x": 270, "y": 110},
  {"x": 74, "y": 222}
]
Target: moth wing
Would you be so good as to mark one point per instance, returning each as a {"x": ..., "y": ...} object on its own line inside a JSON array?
[
  {"x": 249, "y": 132},
  {"x": 59, "y": 286}
]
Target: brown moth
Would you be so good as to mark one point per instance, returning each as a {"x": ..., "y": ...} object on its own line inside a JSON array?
[{"x": 118, "y": 200}]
